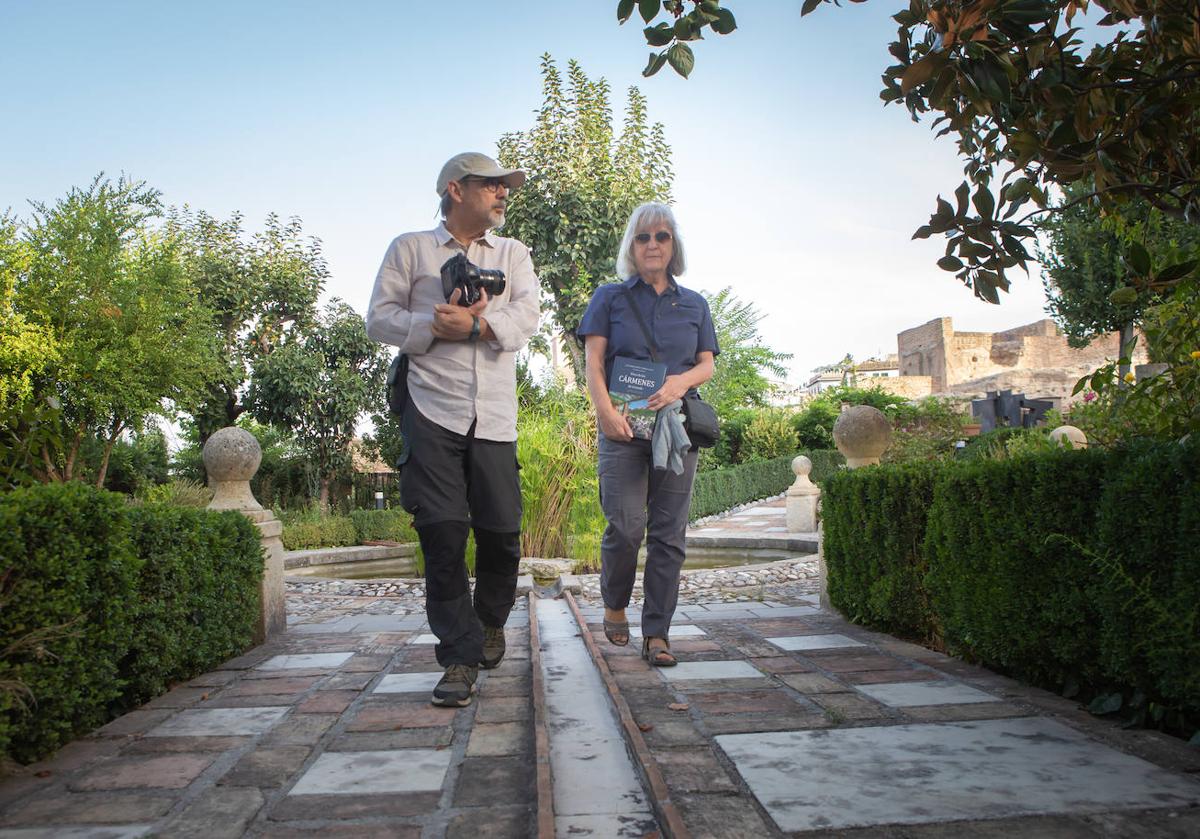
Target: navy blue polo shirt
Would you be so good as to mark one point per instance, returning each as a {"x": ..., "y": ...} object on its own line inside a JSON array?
[{"x": 678, "y": 319}]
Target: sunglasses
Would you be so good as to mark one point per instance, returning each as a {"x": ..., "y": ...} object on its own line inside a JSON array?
[
  {"x": 662, "y": 237},
  {"x": 486, "y": 184}
]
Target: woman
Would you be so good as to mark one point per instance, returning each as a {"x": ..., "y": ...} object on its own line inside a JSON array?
[{"x": 637, "y": 498}]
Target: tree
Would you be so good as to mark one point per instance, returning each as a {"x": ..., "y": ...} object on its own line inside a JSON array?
[
  {"x": 317, "y": 383},
  {"x": 583, "y": 183},
  {"x": 1034, "y": 111},
  {"x": 739, "y": 381},
  {"x": 129, "y": 331},
  {"x": 257, "y": 289},
  {"x": 1088, "y": 259}
]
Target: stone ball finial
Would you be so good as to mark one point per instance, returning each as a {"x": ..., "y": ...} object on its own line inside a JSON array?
[
  {"x": 801, "y": 467},
  {"x": 862, "y": 434},
  {"x": 231, "y": 458},
  {"x": 1069, "y": 434}
]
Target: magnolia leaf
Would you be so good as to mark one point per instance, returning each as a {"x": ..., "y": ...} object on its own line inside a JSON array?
[
  {"x": 656, "y": 62},
  {"x": 922, "y": 71},
  {"x": 725, "y": 23},
  {"x": 809, "y": 5},
  {"x": 1138, "y": 259},
  {"x": 985, "y": 203},
  {"x": 649, "y": 9},
  {"x": 681, "y": 58},
  {"x": 950, "y": 263},
  {"x": 659, "y": 36},
  {"x": 625, "y": 9},
  {"x": 1177, "y": 271}
]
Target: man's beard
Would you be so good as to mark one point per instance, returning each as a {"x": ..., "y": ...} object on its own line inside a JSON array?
[{"x": 496, "y": 217}]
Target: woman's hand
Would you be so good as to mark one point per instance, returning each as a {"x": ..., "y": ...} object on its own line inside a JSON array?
[
  {"x": 614, "y": 426},
  {"x": 673, "y": 388}
]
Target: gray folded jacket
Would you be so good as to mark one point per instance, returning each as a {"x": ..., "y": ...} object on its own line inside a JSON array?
[{"x": 670, "y": 441}]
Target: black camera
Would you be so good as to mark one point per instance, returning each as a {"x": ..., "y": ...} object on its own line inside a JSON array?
[{"x": 461, "y": 273}]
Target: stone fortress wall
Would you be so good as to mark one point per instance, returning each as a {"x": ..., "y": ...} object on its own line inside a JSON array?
[{"x": 1033, "y": 359}]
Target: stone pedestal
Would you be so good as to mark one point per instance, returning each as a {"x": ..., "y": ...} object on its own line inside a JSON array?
[
  {"x": 802, "y": 498},
  {"x": 231, "y": 457}
]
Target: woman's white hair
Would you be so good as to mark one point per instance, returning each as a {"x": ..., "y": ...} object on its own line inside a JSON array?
[{"x": 643, "y": 218}]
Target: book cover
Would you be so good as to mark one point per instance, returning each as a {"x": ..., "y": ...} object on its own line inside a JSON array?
[{"x": 633, "y": 382}]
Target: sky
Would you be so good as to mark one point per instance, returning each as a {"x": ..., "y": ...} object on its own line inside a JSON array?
[{"x": 794, "y": 185}]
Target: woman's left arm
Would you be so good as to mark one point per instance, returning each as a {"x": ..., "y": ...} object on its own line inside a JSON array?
[{"x": 676, "y": 386}]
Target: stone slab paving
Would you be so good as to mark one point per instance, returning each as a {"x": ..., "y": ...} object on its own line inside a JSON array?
[{"x": 765, "y": 729}]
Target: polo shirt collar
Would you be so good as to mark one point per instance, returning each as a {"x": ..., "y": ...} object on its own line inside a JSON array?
[
  {"x": 445, "y": 237},
  {"x": 632, "y": 282}
]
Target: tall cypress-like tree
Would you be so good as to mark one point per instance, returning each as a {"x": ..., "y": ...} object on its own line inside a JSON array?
[{"x": 584, "y": 180}]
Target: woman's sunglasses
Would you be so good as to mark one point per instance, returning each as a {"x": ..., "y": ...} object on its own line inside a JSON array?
[{"x": 662, "y": 237}]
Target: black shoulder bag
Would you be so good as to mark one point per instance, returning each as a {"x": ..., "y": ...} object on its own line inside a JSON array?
[
  {"x": 397, "y": 384},
  {"x": 700, "y": 418}
]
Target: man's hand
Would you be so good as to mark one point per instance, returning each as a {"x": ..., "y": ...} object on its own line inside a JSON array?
[
  {"x": 452, "y": 322},
  {"x": 614, "y": 426},
  {"x": 673, "y": 388}
]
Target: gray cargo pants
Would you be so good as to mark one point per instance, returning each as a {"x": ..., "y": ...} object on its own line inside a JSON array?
[{"x": 639, "y": 500}]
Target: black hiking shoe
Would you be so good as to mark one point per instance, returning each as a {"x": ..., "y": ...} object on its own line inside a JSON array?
[
  {"x": 455, "y": 687},
  {"x": 493, "y": 646}
]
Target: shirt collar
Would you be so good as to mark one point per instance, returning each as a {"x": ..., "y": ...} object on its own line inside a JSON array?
[
  {"x": 635, "y": 280},
  {"x": 444, "y": 237}
]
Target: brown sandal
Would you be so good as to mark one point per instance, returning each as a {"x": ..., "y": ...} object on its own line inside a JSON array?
[
  {"x": 617, "y": 632},
  {"x": 658, "y": 658}
]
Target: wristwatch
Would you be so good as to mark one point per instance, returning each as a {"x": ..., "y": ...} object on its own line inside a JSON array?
[{"x": 474, "y": 328}]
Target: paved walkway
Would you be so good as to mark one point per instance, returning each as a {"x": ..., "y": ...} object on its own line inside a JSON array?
[{"x": 781, "y": 719}]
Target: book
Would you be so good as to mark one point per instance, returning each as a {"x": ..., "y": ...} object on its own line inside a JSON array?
[{"x": 633, "y": 381}]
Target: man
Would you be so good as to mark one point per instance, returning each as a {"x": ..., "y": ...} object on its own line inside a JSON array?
[{"x": 458, "y": 467}]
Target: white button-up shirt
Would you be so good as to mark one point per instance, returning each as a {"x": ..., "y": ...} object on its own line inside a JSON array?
[{"x": 455, "y": 383}]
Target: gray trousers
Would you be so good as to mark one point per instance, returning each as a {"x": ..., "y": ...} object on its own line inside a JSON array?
[{"x": 639, "y": 500}]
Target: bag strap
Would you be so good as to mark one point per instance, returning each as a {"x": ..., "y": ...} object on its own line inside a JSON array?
[{"x": 642, "y": 323}]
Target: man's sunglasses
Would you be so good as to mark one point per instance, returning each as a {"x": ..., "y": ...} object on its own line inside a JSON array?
[
  {"x": 662, "y": 237},
  {"x": 486, "y": 184}
]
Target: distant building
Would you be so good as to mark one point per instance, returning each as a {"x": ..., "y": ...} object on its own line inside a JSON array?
[
  {"x": 822, "y": 382},
  {"x": 1033, "y": 359},
  {"x": 877, "y": 368}
]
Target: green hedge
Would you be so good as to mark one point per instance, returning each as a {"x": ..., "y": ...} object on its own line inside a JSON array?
[
  {"x": 1074, "y": 570},
  {"x": 103, "y": 604},
  {"x": 305, "y": 529},
  {"x": 720, "y": 489},
  {"x": 874, "y": 521},
  {"x": 198, "y": 595}
]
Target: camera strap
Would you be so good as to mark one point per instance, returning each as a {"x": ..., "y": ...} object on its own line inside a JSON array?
[{"x": 642, "y": 323}]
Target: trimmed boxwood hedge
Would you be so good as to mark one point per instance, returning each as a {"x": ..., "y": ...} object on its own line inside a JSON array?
[
  {"x": 1075, "y": 570},
  {"x": 720, "y": 489},
  {"x": 103, "y": 605}
]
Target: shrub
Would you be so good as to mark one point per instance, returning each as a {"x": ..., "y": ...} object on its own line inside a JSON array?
[
  {"x": 310, "y": 528},
  {"x": 1074, "y": 570},
  {"x": 927, "y": 429},
  {"x": 382, "y": 526},
  {"x": 721, "y": 489},
  {"x": 178, "y": 492},
  {"x": 105, "y": 605},
  {"x": 769, "y": 435},
  {"x": 1006, "y": 592},
  {"x": 198, "y": 595},
  {"x": 70, "y": 575},
  {"x": 728, "y": 450},
  {"x": 874, "y": 521},
  {"x": 814, "y": 424}
]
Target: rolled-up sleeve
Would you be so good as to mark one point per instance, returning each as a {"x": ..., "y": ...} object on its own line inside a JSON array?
[
  {"x": 514, "y": 322},
  {"x": 706, "y": 341},
  {"x": 389, "y": 319}
]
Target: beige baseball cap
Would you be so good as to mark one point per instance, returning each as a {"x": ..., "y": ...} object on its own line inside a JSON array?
[{"x": 479, "y": 165}]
